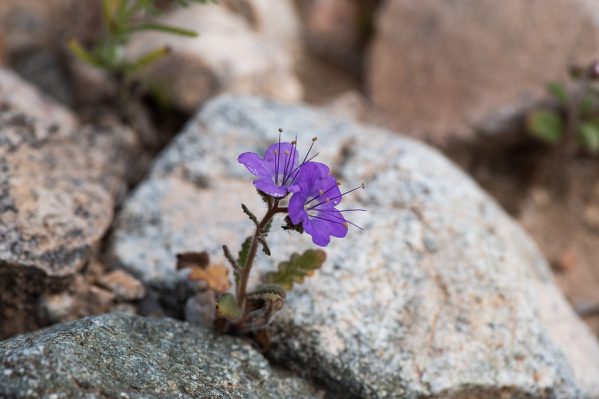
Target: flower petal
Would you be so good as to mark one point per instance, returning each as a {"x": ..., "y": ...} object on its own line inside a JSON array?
[
  {"x": 319, "y": 230},
  {"x": 337, "y": 224},
  {"x": 267, "y": 186},
  {"x": 256, "y": 165},
  {"x": 309, "y": 178},
  {"x": 295, "y": 209},
  {"x": 287, "y": 158}
]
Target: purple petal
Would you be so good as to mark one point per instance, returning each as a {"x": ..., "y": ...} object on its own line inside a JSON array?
[
  {"x": 309, "y": 179},
  {"x": 337, "y": 224},
  {"x": 295, "y": 209},
  {"x": 319, "y": 230},
  {"x": 267, "y": 186},
  {"x": 287, "y": 158},
  {"x": 256, "y": 165}
]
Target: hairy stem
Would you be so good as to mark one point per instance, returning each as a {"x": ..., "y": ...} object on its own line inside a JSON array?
[{"x": 245, "y": 272}]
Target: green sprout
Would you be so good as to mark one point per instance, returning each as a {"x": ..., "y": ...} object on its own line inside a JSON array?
[
  {"x": 123, "y": 19},
  {"x": 575, "y": 121}
]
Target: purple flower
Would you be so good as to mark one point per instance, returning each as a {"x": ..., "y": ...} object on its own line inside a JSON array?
[
  {"x": 313, "y": 204},
  {"x": 275, "y": 171}
]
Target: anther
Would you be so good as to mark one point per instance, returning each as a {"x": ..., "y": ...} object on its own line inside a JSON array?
[
  {"x": 320, "y": 192},
  {"x": 280, "y": 130},
  {"x": 314, "y": 138}
]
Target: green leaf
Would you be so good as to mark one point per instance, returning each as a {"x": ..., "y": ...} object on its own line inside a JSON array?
[
  {"x": 148, "y": 58},
  {"x": 227, "y": 308},
  {"x": 586, "y": 104},
  {"x": 244, "y": 252},
  {"x": 163, "y": 28},
  {"x": 558, "y": 91},
  {"x": 297, "y": 268},
  {"x": 588, "y": 134},
  {"x": 82, "y": 54},
  {"x": 545, "y": 125}
]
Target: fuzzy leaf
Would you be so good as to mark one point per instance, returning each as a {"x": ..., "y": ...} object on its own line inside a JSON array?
[
  {"x": 261, "y": 306},
  {"x": 244, "y": 252},
  {"x": 297, "y": 268},
  {"x": 270, "y": 289},
  {"x": 546, "y": 126},
  {"x": 230, "y": 258},
  {"x": 589, "y": 136},
  {"x": 265, "y": 247},
  {"x": 227, "y": 308},
  {"x": 266, "y": 229},
  {"x": 250, "y": 214},
  {"x": 265, "y": 197},
  {"x": 558, "y": 91},
  {"x": 216, "y": 276}
]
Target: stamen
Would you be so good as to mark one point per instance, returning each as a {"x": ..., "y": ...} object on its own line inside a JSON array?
[
  {"x": 297, "y": 169},
  {"x": 304, "y": 161},
  {"x": 277, "y": 161},
  {"x": 290, "y": 159},
  {"x": 338, "y": 196},
  {"x": 320, "y": 195},
  {"x": 343, "y": 210},
  {"x": 344, "y": 220}
]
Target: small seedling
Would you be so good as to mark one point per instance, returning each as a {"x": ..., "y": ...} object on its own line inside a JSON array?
[
  {"x": 306, "y": 196},
  {"x": 575, "y": 121},
  {"x": 123, "y": 19}
]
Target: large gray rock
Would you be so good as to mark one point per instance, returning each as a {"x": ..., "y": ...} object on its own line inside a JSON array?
[
  {"x": 125, "y": 356},
  {"x": 442, "y": 295},
  {"x": 58, "y": 189}
]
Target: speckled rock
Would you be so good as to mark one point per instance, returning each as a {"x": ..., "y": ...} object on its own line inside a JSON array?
[
  {"x": 36, "y": 32},
  {"x": 442, "y": 295},
  {"x": 58, "y": 189},
  {"x": 126, "y": 356},
  {"x": 440, "y": 70},
  {"x": 201, "y": 67},
  {"x": 47, "y": 116}
]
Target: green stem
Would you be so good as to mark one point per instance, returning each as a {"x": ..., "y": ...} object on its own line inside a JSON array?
[{"x": 242, "y": 288}]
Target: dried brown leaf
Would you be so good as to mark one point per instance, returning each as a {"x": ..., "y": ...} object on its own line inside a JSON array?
[
  {"x": 216, "y": 276},
  {"x": 188, "y": 260}
]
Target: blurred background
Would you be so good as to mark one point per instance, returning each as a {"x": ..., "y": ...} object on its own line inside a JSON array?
[{"x": 505, "y": 89}]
